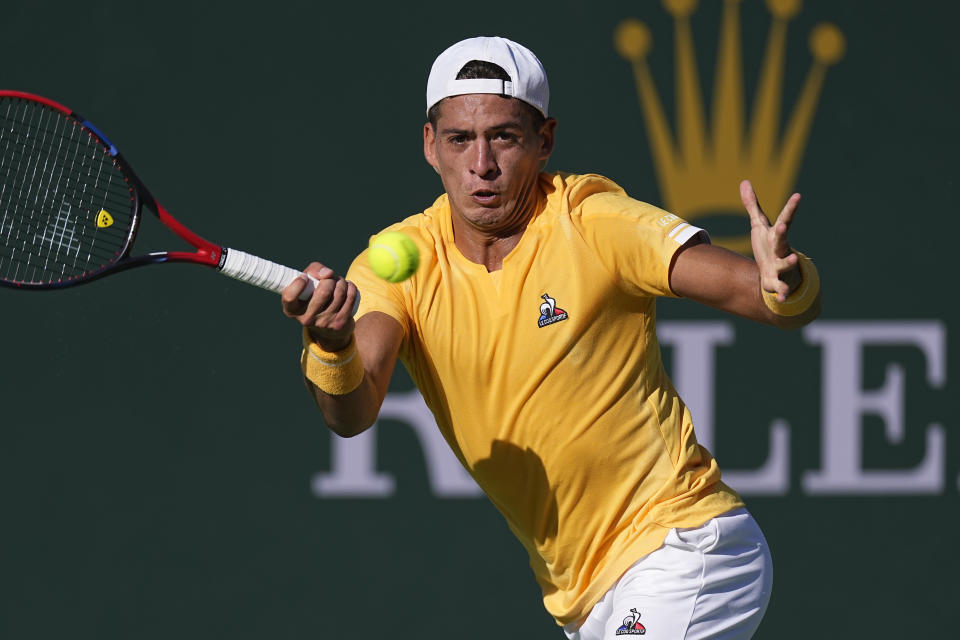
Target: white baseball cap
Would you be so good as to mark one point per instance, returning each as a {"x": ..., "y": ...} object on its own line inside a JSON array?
[{"x": 528, "y": 79}]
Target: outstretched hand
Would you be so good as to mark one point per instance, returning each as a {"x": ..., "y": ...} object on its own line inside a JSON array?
[{"x": 779, "y": 273}]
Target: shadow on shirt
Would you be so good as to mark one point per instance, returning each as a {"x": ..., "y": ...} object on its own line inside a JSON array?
[{"x": 517, "y": 484}]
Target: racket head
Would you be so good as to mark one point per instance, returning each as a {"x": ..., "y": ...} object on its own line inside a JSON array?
[{"x": 69, "y": 205}]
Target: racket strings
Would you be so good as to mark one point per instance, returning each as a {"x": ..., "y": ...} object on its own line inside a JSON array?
[
  {"x": 112, "y": 202},
  {"x": 56, "y": 179}
]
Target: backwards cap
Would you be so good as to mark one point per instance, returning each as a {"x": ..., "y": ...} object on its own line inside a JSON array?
[{"x": 528, "y": 79}]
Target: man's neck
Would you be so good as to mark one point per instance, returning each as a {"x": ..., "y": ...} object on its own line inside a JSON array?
[
  {"x": 490, "y": 246},
  {"x": 484, "y": 248}
]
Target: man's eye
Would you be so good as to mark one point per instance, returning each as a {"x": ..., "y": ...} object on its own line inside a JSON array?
[
  {"x": 503, "y": 135},
  {"x": 458, "y": 139}
]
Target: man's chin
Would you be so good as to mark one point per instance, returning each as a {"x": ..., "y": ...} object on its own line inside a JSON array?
[
  {"x": 483, "y": 214},
  {"x": 487, "y": 219}
]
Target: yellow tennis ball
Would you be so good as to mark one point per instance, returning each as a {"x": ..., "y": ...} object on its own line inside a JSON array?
[{"x": 393, "y": 256}]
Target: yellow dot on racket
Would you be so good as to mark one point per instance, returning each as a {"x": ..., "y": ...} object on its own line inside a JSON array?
[{"x": 104, "y": 219}]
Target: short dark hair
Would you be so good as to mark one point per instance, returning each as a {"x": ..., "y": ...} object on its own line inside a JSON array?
[{"x": 483, "y": 70}]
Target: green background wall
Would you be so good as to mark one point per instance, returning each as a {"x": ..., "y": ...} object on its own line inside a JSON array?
[{"x": 157, "y": 450}]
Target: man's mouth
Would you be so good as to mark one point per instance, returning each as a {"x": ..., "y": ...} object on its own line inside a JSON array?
[{"x": 484, "y": 196}]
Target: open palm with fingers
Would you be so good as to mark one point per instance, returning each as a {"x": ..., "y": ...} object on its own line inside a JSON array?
[{"x": 777, "y": 262}]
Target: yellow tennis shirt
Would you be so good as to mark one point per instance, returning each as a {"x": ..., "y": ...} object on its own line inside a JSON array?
[{"x": 546, "y": 380}]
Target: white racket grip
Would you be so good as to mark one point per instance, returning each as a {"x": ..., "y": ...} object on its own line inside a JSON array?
[{"x": 267, "y": 274}]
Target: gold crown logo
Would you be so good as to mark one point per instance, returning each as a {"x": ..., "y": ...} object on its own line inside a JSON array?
[{"x": 698, "y": 173}]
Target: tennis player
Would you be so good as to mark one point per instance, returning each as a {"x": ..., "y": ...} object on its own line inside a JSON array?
[{"x": 529, "y": 328}]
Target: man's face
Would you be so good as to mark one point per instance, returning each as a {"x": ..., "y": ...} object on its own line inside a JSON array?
[{"x": 488, "y": 155}]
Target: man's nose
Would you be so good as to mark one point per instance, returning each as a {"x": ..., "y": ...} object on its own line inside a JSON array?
[{"x": 484, "y": 162}]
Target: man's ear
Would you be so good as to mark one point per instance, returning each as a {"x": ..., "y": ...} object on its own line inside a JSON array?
[
  {"x": 429, "y": 150},
  {"x": 548, "y": 136}
]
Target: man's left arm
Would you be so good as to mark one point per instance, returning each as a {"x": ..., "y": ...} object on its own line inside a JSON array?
[{"x": 778, "y": 287}]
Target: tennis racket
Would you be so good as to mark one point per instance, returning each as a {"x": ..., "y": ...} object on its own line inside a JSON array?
[{"x": 70, "y": 206}]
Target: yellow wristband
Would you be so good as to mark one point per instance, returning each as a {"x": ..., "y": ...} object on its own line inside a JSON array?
[
  {"x": 803, "y": 297},
  {"x": 334, "y": 372}
]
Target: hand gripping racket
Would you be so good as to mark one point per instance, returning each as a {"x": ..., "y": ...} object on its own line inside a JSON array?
[{"x": 70, "y": 206}]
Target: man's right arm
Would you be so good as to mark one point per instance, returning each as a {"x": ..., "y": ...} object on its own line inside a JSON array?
[
  {"x": 378, "y": 342},
  {"x": 328, "y": 320}
]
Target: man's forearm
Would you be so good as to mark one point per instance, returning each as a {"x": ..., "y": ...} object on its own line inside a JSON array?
[
  {"x": 349, "y": 414},
  {"x": 352, "y": 408}
]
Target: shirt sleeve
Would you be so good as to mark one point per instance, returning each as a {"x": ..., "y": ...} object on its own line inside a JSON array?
[{"x": 635, "y": 241}]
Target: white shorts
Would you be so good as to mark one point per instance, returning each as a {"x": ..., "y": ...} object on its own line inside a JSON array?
[{"x": 711, "y": 581}]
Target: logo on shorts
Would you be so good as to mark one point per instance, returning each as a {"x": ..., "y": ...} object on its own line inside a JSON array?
[
  {"x": 549, "y": 313},
  {"x": 631, "y": 625}
]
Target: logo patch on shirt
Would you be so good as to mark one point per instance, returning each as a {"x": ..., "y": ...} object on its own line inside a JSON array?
[
  {"x": 631, "y": 625},
  {"x": 667, "y": 219},
  {"x": 549, "y": 313}
]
